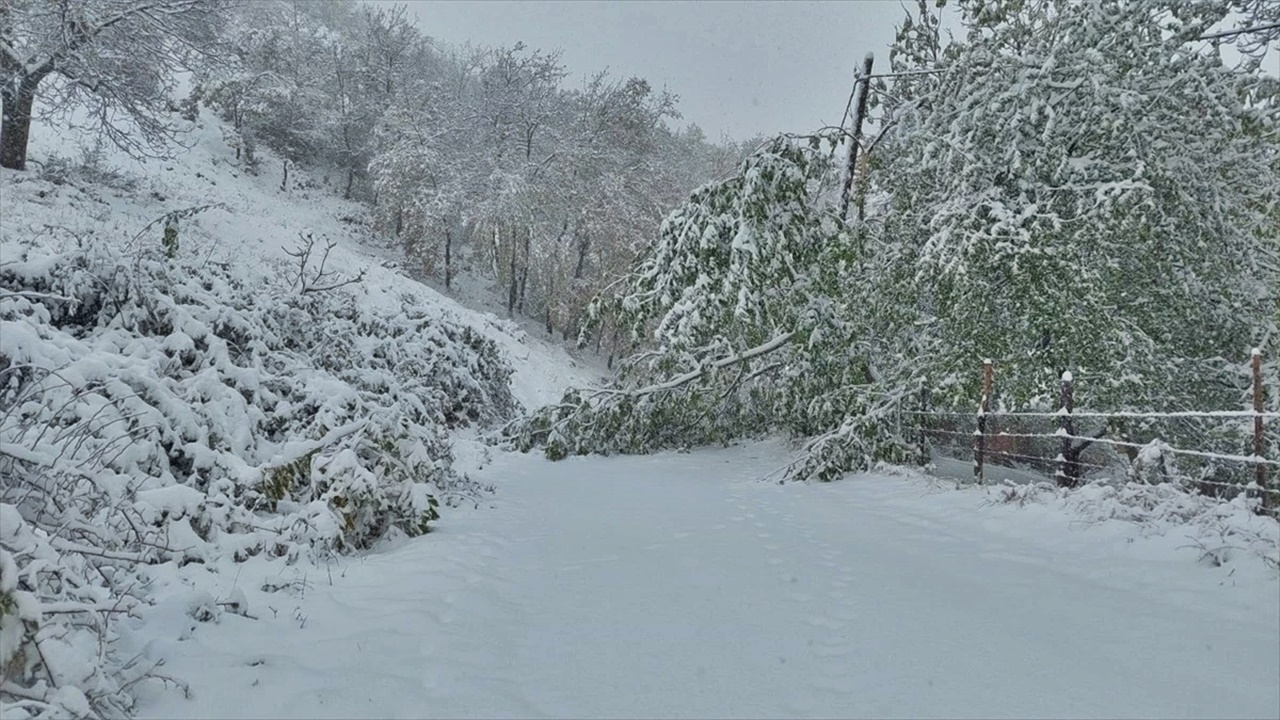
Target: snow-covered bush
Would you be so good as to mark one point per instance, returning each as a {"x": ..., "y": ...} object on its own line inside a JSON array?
[
  {"x": 156, "y": 410},
  {"x": 58, "y": 601},
  {"x": 1217, "y": 528},
  {"x": 1154, "y": 464}
]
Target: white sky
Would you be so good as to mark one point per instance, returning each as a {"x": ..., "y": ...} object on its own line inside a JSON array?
[{"x": 741, "y": 68}]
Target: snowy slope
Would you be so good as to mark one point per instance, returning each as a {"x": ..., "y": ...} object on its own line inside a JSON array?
[
  {"x": 257, "y": 224},
  {"x": 190, "y": 419},
  {"x": 680, "y": 586}
]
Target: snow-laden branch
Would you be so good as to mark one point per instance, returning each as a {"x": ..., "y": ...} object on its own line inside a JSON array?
[
  {"x": 681, "y": 380},
  {"x": 294, "y": 451},
  {"x": 33, "y": 295},
  {"x": 9, "y": 60}
]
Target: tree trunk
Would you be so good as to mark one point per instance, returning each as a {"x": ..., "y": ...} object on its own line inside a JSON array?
[
  {"x": 524, "y": 271},
  {"x": 448, "y": 258},
  {"x": 15, "y": 127},
  {"x": 513, "y": 290},
  {"x": 584, "y": 244}
]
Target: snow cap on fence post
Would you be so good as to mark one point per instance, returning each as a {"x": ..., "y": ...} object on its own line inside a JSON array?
[{"x": 1068, "y": 471}]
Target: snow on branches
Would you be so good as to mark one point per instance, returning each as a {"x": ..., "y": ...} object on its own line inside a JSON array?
[
  {"x": 742, "y": 297},
  {"x": 157, "y": 411},
  {"x": 1079, "y": 187}
]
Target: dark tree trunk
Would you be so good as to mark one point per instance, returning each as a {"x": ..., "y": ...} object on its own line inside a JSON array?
[
  {"x": 448, "y": 258},
  {"x": 584, "y": 244},
  {"x": 513, "y": 290},
  {"x": 524, "y": 271},
  {"x": 15, "y": 128},
  {"x": 351, "y": 178}
]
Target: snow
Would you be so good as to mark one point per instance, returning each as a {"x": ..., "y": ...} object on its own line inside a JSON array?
[
  {"x": 679, "y": 585},
  {"x": 253, "y": 224},
  {"x": 167, "y": 415},
  {"x": 675, "y": 585}
]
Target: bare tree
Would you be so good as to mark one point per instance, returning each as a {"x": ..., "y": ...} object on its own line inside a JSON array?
[{"x": 117, "y": 58}]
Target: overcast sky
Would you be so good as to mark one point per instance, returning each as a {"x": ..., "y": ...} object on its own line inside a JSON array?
[{"x": 741, "y": 68}]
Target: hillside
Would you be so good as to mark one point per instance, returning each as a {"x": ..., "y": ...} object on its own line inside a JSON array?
[
  {"x": 115, "y": 198},
  {"x": 188, "y": 399}
]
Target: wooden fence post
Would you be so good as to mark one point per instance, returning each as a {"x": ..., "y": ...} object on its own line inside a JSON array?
[
  {"x": 1259, "y": 442},
  {"x": 980, "y": 435},
  {"x": 1065, "y": 476}
]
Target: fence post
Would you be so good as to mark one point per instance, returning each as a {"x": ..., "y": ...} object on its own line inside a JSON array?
[
  {"x": 1259, "y": 442},
  {"x": 1066, "y": 428},
  {"x": 980, "y": 435}
]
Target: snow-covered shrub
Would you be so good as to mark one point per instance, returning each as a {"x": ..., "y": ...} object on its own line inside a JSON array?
[
  {"x": 58, "y": 601},
  {"x": 156, "y": 410},
  {"x": 90, "y": 170},
  {"x": 1154, "y": 464},
  {"x": 1011, "y": 493},
  {"x": 1217, "y": 527}
]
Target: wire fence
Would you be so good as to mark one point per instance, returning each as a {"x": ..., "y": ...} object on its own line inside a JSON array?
[{"x": 1206, "y": 451}]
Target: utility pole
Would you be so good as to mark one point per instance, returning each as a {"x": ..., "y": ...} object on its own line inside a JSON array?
[{"x": 862, "y": 85}]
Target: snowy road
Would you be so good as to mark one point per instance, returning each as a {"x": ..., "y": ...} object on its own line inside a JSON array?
[{"x": 679, "y": 585}]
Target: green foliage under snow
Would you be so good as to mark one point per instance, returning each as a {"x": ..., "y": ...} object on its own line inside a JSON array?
[{"x": 1076, "y": 188}]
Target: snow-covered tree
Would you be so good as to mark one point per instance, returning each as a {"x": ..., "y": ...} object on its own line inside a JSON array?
[
  {"x": 113, "y": 59},
  {"x": 1081, "y": 189},
  {"x": 271, "y": 83},
  {"x": 743, "y": 303},
  {"x": 1073, "y": 186}
]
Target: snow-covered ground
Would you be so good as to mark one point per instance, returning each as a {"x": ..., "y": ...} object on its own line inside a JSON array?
[{"x": 681, "y": 586}]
